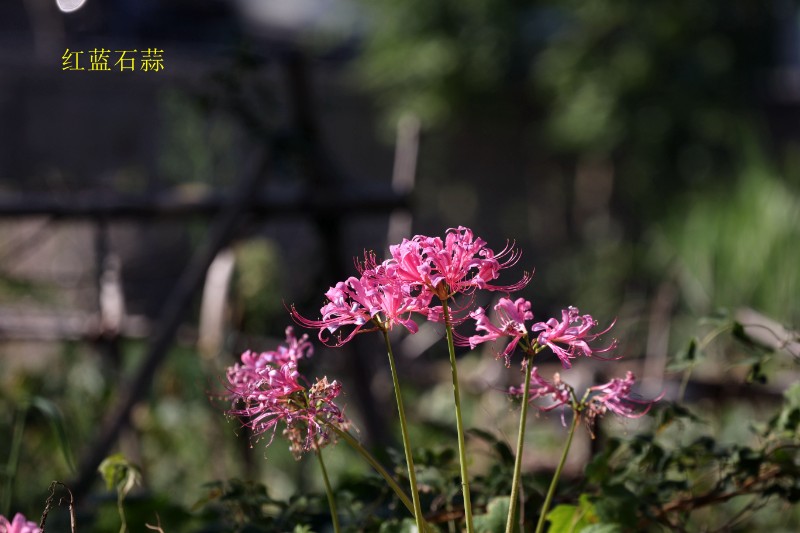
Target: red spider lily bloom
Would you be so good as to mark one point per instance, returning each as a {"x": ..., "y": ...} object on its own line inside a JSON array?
[
  {"x": 461, "y": 263},
  {"x": 572, "y": 331},
  {"x": 19, "y": 524},
  {"x": 615, "y": 396},
  {"x": 558, "y": 391},
  {"x": 512, "y": 315}
]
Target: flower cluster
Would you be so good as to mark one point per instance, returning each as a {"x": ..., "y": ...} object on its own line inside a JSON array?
[
  {"x": 19, "y": 524},
  {"x": 419, "y": 269},
  {"x": 615, "y": 396},
  {"x": 558, "y": 392},
  {"x": 266, "y": 389},
  {"x": 570, "y": 337},
  {"x": 567, "y": 338}
]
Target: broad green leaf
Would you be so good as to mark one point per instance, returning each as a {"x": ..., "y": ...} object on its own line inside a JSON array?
[
  {"x": 572, "y": 518},
  {"x": 119, "y": 474},
  {"x": 494, "y": 521}
]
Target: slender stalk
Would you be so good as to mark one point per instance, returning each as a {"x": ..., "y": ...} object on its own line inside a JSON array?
[
  {"x": 329, "y": 492},
  {"x": 551, "y": 491},
  {"x": 462, "y": 452},
  {"x": 121, "y": 510},
  {"x": 412, "y": 476},
  {"x": 13, "y": 458},
  {"x": 512, "y": 505},
  {"x": 368, "y": 457}
]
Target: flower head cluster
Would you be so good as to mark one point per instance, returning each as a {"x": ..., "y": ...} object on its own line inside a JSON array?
[
  {"x": 19, "y": 524},
  {"x": 512, "y": 316},
  {"x": 266, "y": 389},
  {"x": 570, "y": 337},
  {"x": 460, "y": 264},
  {"x": 558, "y": 392},
  {"x": 615, "y": 396},
  {"x": 390, "y": 292},
  {"x": 567, "y": 338}
]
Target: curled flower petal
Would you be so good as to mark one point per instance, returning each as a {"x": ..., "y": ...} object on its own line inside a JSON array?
[
  {"x": 570, "y": 337},
  {"x": 512, "y": 316},
  {"x": 616, "y": 396},
  {"x": 558, "y": 392},
  {"x": 374, "y": 297},
  {"x": 265, "y": 392},
  {"x": 460, "y": 264}
]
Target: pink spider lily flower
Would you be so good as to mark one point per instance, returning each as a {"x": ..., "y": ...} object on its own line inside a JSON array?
[
  {"x": 616, "y": 396},
  {"x": 340, "y": 311},
  {"x": 255, "y": 365},
  {"x": 373, "y": 298},
  {"x": 295, "y": 348},
  {"x": 558, "y": 391},
  {"x": 461, "y": 263},
  {"x": 572, "y": 331},
  {"x": 278, "y": 395},
  {"x": 512, "y": 315},
  {"x": 19, "y": 524}
]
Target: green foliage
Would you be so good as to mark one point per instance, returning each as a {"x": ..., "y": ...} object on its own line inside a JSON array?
[
  {"x": 257, "y": 285},
  {"x": 119, "y": 474},
  {"x": 407, "y": 525},
  {"x": 572, "y": 518},
  {"x": 735, "y": 245},
  {"x": 494, "y": 520},
  {"x": 245, "y": 506},
  {"x": 433, "y": 59},
  {"x": 53, "y": 415},
  {"x": 645, "y": 480}
]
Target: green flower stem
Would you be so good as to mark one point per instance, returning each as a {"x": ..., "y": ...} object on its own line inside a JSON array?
[
  {"x": 551, "y": 491},
  {"x": 121, "y": 510},
  {"x": 349, "y": 439},
  {"x": 512, "y": 504},
  {"x": 329, "y": 491},
  {"x": 412, "y": 476},
  {"x": 13, "y": 458},
  {"x": 462, "y": 452}
]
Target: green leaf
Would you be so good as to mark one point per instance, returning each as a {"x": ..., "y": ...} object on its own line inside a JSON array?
[
  {"x": 119, "y": 474},
  {"x": 756, "y": 374},
  {"x": 617, "y": 505},
  {"x": 572, "y": 518},
  {"x": 792, "y": 395},
  {"x": 602, "y": 528},
  {"x": 494, "y": 521},
  {"x": 686, "y": 357},
  {"x": 666, "y": 413},
  {"x": 54, "y": 416}
]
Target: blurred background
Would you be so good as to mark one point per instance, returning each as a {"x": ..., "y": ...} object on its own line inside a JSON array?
[{"x": 155, "y": 223}]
